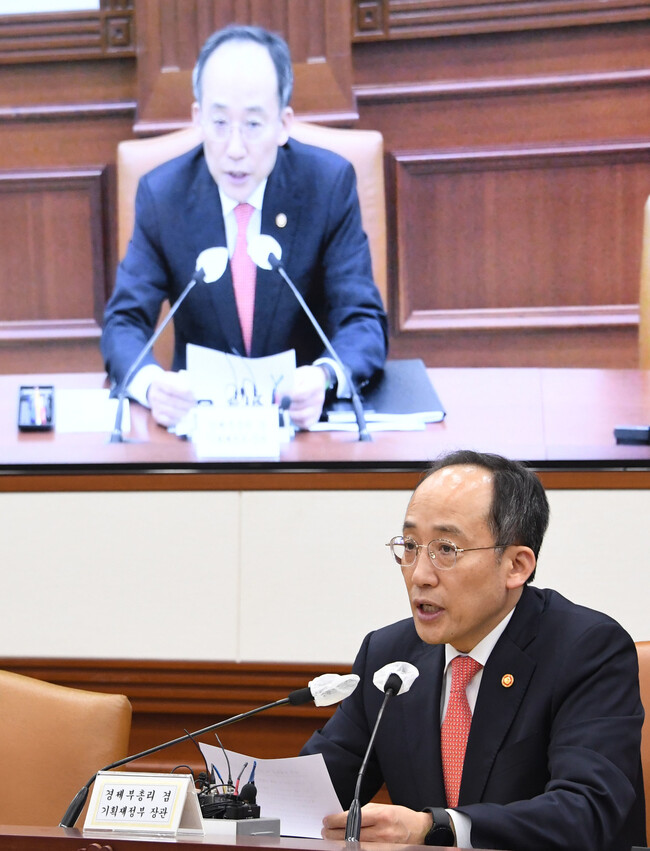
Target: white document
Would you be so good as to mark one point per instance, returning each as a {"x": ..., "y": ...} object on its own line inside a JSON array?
[
  {"x": 87, "y": 410},
  {"x": 297, "y": 790},
  {"x": 227, "y": 379}
]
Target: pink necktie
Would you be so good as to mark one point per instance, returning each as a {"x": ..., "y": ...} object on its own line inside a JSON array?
[
  {"x": 243, "y": 275},
  {"x": 455, "y": 728}
]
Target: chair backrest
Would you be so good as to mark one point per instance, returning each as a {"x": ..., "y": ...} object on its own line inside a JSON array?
[
  {"x": 643, "y": 652},
  {"x": 363, "y": 148},
  {"x": 644, "y": 296},
  {"x": 52, "y": 740}
]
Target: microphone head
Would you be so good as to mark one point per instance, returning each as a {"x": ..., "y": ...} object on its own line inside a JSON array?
[
  {"x": 331, "y": 688},
  {"x": 260, "y": 248},
  {"x": 404, "y": 671},
  {"x": 212, "y": 263},
  {"x": 393, "y": 684}
]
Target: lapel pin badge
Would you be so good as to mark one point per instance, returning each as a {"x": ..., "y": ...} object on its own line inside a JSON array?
[
  {"x": 507, "y": 680},
  {"x": 281, "y": 220}
]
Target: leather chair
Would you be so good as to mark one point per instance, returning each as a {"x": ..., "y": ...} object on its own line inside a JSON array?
[
  {"x": 363, "y": 148},
  {"x": 53, "y": 739},
  {"x": 643, "y": 652},
  {"x": 644, "y": 296}
]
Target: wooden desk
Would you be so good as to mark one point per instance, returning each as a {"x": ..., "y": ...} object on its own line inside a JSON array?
[
  {"x": 72, "y": 839},
  {"x": 553, "y": 418}
]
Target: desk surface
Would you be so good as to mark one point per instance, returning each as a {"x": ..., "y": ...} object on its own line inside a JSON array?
[
  {"x": 46, "y": 838},
  {"x": 560, "y": 419}
]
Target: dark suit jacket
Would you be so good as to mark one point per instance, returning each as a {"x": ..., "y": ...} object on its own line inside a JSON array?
[
  {"x": 552, "y": 762},
  {"x": 325, "y": 253}
]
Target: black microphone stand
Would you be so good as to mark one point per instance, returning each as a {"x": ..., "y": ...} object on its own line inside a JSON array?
[
  {"x": 364, "y": 434},
  {"x": 72, "y": 813},
  {"x": 117, "y": 435},
  {"x": 353, "y": 824}
]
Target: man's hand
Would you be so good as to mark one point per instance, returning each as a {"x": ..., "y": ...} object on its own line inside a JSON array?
[
  {"x": 307, "y": 394},
  {"x": 382, "y": 823},
  {"x": 170, "y": 397}
]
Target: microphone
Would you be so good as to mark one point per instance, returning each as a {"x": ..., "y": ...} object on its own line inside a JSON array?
[
  {"x": 266, "y": 253},
  {"x": 323, "y": 690},
  {"x": 393, "y": 679},
  {"x": 210, "y": 266}
]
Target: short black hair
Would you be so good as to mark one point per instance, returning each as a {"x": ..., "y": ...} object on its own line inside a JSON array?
[
  {"x": 277, "y": 47},
  {"x": 519, "y": 513}
]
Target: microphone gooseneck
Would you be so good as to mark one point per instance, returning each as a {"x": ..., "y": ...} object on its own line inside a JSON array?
[
  {"x": 265, "y": 252},
  {"x": 210, "y": 266},
  {"x": 296, "y": 697},
  {"x": 399, "y": 677}
]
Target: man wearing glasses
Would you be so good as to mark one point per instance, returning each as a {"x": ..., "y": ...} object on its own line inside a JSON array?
[
  {"x": 539, "y": 746},
  {"x": 247, "y": 177}
]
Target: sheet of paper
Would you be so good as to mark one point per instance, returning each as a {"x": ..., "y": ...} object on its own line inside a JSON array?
[
  {"x": 296, "y": 790},
  {"x": 87, "y": 410},
  {"x": 230, "y": 380}
]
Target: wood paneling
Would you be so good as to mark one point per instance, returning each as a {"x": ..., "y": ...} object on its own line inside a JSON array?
[
  {"x": 528, "y": 238},
  {"x": 53, "y": 259},
  {"x": 399, "y": 19},
  {"x": 517, "y": 172},
  {"x": 69, "y": 36},
  {"x": 170, "y": 35}
]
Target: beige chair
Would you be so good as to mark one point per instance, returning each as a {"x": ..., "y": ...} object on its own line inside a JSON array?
[
  {"x": 52, "y": 740},
  {"x": 644, "y": 296},
  {"x": 363, "y": 148},
  {"x": 643, "y": 651}
]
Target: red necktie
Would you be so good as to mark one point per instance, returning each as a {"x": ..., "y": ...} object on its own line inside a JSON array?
[
  {"x": 455, "y": 728},
  {"x": 243, "y": 274}
]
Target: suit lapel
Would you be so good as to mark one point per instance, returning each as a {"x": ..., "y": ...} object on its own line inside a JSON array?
[
  {"x": 422, "y": 739},
  {"x": 281, "y": 213},
  {"x": 504, "y": 684}
]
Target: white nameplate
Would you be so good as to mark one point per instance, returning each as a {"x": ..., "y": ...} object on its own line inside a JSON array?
[
  {"x": 224, "y": 431},
  {"x": 143, "y": 803}
]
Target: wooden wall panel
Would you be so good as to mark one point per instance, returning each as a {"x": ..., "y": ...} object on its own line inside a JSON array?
[
  {"x": 400, "y": 19},
  {"x": 517, "y": 171},
  {"x": 170, "y": 35},
  {"x": 53, "y": 258},
  {"x": 63, "y": 36},
  {"x": 528, "y": 238}
]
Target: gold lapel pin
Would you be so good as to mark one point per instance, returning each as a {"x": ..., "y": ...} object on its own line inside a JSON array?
[
  {"x": 507, "y": 680},
  {"x": 281, "y": 220}
]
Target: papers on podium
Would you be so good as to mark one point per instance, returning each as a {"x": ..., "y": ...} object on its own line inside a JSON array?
[{"x": 298, "y": 790}]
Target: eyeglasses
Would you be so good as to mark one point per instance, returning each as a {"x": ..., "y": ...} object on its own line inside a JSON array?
[
  {"x": 250, "y": 130},
  {"x": 442, "y": 553}
]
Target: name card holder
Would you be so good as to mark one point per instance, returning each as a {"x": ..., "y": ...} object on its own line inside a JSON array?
[
  {"x": 237, "y": 431},
  {"x": 134, "y": 802}
]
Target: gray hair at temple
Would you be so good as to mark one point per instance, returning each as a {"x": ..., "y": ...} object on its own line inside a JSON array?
[
  {"x": 275, "y": 44},
  {"x": 519, "y": 513}
]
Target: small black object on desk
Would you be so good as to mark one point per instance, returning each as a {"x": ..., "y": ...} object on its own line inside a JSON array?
[{"x": 632, "y": 434}]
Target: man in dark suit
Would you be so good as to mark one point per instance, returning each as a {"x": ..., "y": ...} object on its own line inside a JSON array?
[
  {"x": 552, "y": 756},
  {"x": 303, "y": 196}
]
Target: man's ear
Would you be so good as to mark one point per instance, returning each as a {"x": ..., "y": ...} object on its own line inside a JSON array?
[
  {"x": 522, "y": 564},
  {"x": 196, "y": 115},
  {"x": 286, "y": 120}
]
